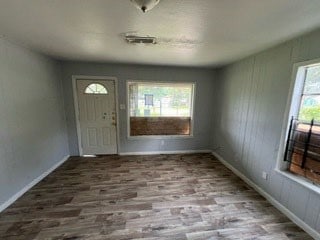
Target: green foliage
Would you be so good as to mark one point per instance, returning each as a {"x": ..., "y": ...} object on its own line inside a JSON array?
[
  {"x": 179, "y": 97},
  {"x": 312, "y": 82},
  {"x": 308, "y": 113},
  {"x": 310, "y": 105},
  {"x": 168, "y": 99}
]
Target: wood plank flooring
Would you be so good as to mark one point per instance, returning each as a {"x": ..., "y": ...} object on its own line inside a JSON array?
[{"x": 145, "y": 197}]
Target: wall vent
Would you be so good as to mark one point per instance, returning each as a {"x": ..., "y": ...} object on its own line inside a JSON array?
[{"x": 137, "y": 39}]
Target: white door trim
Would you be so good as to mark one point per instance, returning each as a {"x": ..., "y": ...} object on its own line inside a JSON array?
[{"x": 76, "y": 105}]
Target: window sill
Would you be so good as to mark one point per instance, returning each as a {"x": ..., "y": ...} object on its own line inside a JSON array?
[
  {"x": 300, "y": 180},
  {"x": 160, "y": 137}
]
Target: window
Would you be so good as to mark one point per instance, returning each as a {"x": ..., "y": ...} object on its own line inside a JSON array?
[
  {"x": 96, "y": 88},
  {"x": 160, "y": 108},
  {"x": 310, "y": 97},
  {"x": 303, "y": 139}
]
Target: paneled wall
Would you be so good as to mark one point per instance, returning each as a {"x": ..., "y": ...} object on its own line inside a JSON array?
[
  {"x": 33, "y": 135},
  {"x": 250, "y": 102}
]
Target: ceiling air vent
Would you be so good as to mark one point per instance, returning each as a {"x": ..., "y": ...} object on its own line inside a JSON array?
[{"x": 145, "y": 40}]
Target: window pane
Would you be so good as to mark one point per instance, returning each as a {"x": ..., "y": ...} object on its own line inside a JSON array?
[
  {"x": 96, "y": 88},
  {"x": 160, "y": 100},
  {"x": 160, "y": 108},
  {"x": 310, "y": 108},
  {"x": 312, "y": 82}
]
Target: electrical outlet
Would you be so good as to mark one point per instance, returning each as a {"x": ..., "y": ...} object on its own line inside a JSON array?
[
  {"x": 122, "y": 106},
  {"x": 265, "y": 175}
]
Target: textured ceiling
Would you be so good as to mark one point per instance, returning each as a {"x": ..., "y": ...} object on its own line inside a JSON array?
[{"x": 189, "y": 32}]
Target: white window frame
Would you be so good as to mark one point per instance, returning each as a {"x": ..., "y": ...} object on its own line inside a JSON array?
[
  {"x": 292, "y": 109},
  {"x": 160, "y": 136}
]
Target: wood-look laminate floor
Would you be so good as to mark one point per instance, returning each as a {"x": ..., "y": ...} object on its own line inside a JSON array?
[{"x": 145, "y": 197}]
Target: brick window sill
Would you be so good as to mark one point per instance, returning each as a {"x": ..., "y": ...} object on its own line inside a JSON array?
[{"x": 159, "y": 137}]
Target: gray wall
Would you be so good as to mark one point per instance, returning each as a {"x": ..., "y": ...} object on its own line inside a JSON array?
[
  {"x": 250, "y": 112},
  {"x": 202, "y": 115},
  {"x": 33, "y": 130}
]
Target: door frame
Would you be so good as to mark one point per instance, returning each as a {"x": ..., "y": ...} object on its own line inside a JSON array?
[{"x": 76, "y": 105}]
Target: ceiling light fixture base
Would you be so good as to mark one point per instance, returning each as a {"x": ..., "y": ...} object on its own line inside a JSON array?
[{"x": 145, "y": 5}]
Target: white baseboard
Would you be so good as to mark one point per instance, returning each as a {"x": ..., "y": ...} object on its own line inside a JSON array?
[
  {"x": 165, "y": 152},
  {"x": 31, "y": 184},
  {"x": 313, "y": 233}
]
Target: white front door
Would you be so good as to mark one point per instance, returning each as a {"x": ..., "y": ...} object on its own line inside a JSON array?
[{"x": 97, "y": 116}]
